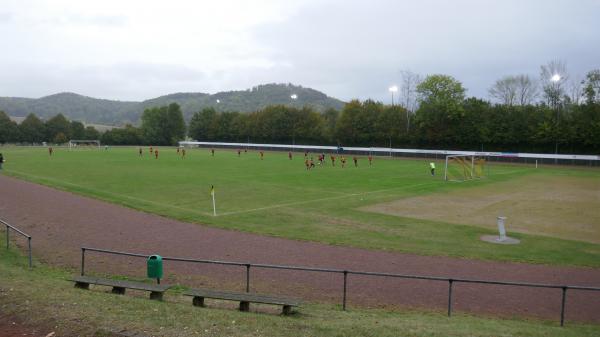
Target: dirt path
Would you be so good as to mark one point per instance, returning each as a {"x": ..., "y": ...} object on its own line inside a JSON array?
[{"x": 61, "y": 222}]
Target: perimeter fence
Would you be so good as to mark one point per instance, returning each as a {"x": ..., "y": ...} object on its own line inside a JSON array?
[
  {"x": 510, "y": 157},
  {"x": 346, "y": 273},
  {"x": 18, "y": 231}
]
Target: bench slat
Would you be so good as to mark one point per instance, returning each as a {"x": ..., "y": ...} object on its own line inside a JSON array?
[
  {"x": 122, "y": 284},
  {"x": 246, "y": 297}
]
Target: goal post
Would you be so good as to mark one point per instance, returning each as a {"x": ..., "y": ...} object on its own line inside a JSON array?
[
  {"x": 86, "y": 143},
  {"x": 465, "y": 167}
]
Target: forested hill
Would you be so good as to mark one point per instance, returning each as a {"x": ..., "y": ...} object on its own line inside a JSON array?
[{"x": 102, "y": 111}]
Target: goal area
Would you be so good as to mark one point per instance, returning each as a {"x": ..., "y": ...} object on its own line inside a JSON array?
[
  {"x": 465, "y": 167},
  {"x": 84, "y": 144}
]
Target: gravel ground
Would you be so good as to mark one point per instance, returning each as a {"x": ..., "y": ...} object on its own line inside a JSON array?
[{"x": 61, "y": 222}]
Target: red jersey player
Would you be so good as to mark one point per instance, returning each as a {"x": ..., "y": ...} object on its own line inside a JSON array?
[
  {"x": 355, "y": 161},
  {"x": 156, "y": 154},
  {"x": 290, "y": 155},
  {"x": 370, "y": 160}
]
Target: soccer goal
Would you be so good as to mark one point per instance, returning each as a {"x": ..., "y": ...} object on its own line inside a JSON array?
[
  {"x": 465, "y": 167},
  {"x": 84, "y": 144}
]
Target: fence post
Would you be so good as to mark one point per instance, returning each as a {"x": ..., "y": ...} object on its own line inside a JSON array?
[
  {"x": 247, "y": 278},
  {"x": 29, "y": 245},
  {"x": 82, "y": 261},
  {"x": 7, "y": 230},
  {"x": 450, "y": 281},
  {"x": 345, "y": 287},
  {"x": 562, "y": 306}
]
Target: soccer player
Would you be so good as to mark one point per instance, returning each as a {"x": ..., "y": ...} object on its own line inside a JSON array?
[
  {"x": 332, "y": 160},
  {"x": 239, "y": 152},
  {"x": 151, "y": 150},
  {"x": 262, "y": 155},
  {"x": 212, "y": 151},
  {"x": 50, "y": 151},
  {"x": 290, "y": 155},
  {"x": 307, "y": 164},
  {"x": 182, "y": 153},
  {"x": 370, "y": 160},
  {"x": 156, "y": 154},
  {"x": 312, "y": 163},
  {"x": 343, "y": 160},
  {"x": 178, "y": 150},
  {"x": 432, "y": 167},
  {"x": 355, "y": 161},
  {"x": 140, "y": 151}
]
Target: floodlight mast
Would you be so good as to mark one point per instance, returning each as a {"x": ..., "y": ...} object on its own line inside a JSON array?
[
  {"x": 556, "y": 78},
  {"x": 393, "y": 89}
]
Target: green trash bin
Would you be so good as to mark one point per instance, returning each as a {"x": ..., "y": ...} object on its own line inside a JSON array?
[{"x": 155, "y": 267}]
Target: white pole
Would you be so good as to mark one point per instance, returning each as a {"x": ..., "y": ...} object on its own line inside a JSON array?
[
  {"x": 214, "y": 204},
  {"x": 536, "y": 163}
]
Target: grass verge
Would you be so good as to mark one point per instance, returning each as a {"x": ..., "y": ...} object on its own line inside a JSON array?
[{"x": 44, "y": 297}]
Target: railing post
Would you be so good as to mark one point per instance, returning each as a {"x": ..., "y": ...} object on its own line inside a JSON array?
[
  {"x": 247, "y": 278},
  {"x": 7, "y": 229},
  {"x": 345, "y": 287},
  {"x": 562, "y": 306},
  {"x": 29, "y": 246},
  {"x": 82, "y": 261},
  {"x": 450, "y": 282}
]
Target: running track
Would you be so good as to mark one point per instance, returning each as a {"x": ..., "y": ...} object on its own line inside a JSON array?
[{"x": 61, "y": 222}]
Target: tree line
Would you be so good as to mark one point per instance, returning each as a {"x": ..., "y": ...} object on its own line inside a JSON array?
[
  {"x": 439, "y": 116},
  {"x": 33, "y": 130}
]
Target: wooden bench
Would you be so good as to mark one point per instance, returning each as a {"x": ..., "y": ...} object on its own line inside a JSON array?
[
  {"x": 119, "y": 286},
  {"x": 244, "y": 298}
]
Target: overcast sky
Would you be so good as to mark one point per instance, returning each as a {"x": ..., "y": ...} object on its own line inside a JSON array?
[{"x": 135, "y": 50}]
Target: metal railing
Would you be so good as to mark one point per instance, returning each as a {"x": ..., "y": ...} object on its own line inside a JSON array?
[
  {"x": 8, "y": 228},
  {"x": 346, "y": 273}
]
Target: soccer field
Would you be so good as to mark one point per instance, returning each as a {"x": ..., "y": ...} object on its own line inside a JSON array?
[{"x": 351, "y": 206}]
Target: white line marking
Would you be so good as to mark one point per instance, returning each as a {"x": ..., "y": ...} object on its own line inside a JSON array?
[{"x": 111, "y": 193}]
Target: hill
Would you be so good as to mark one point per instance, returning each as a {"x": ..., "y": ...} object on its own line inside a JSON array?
[{"x": 103, "y": 111}]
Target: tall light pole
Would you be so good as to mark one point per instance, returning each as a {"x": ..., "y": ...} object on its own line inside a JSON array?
[
  {"x": 393, "y": 89},
  {"x": 294, "y": 97},
  {"x": 556, "y": 79}
]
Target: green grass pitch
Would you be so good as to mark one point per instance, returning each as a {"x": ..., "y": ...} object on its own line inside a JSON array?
[{"x": 279, "y": 197}]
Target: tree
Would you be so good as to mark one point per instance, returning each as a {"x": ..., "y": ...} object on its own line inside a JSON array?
[
  {"x": 175, "y": 125},
  {"x": 514, "y": 90},
  {"x": 505, "y": 90},
  {"x": 163, "y": 125},
  {"x": 527, "y": 89},
  {"x": 200, "y": 124},
  {"x": 591, "y": 86},
  {"x": 91, "y": 133},
  {"x": 58, "y": 124},
  {"x": 408, "y": 93},
  {"x": 9, "y": 131},
  {"x": 32, "y": 129},
  {"x": 129, "y": 135},
  {"x": 553, "y": 77},
  {"x": 440, "y": 98},
  {"x": 77, "y": 130}
]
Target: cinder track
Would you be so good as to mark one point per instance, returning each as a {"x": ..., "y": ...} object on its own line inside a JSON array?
[{"x": 62, "y": 222}]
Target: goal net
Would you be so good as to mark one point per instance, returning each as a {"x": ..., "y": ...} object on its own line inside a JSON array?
[
  {"x": 465, "y": 167},
  {"x": 84, "y": 144}
]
